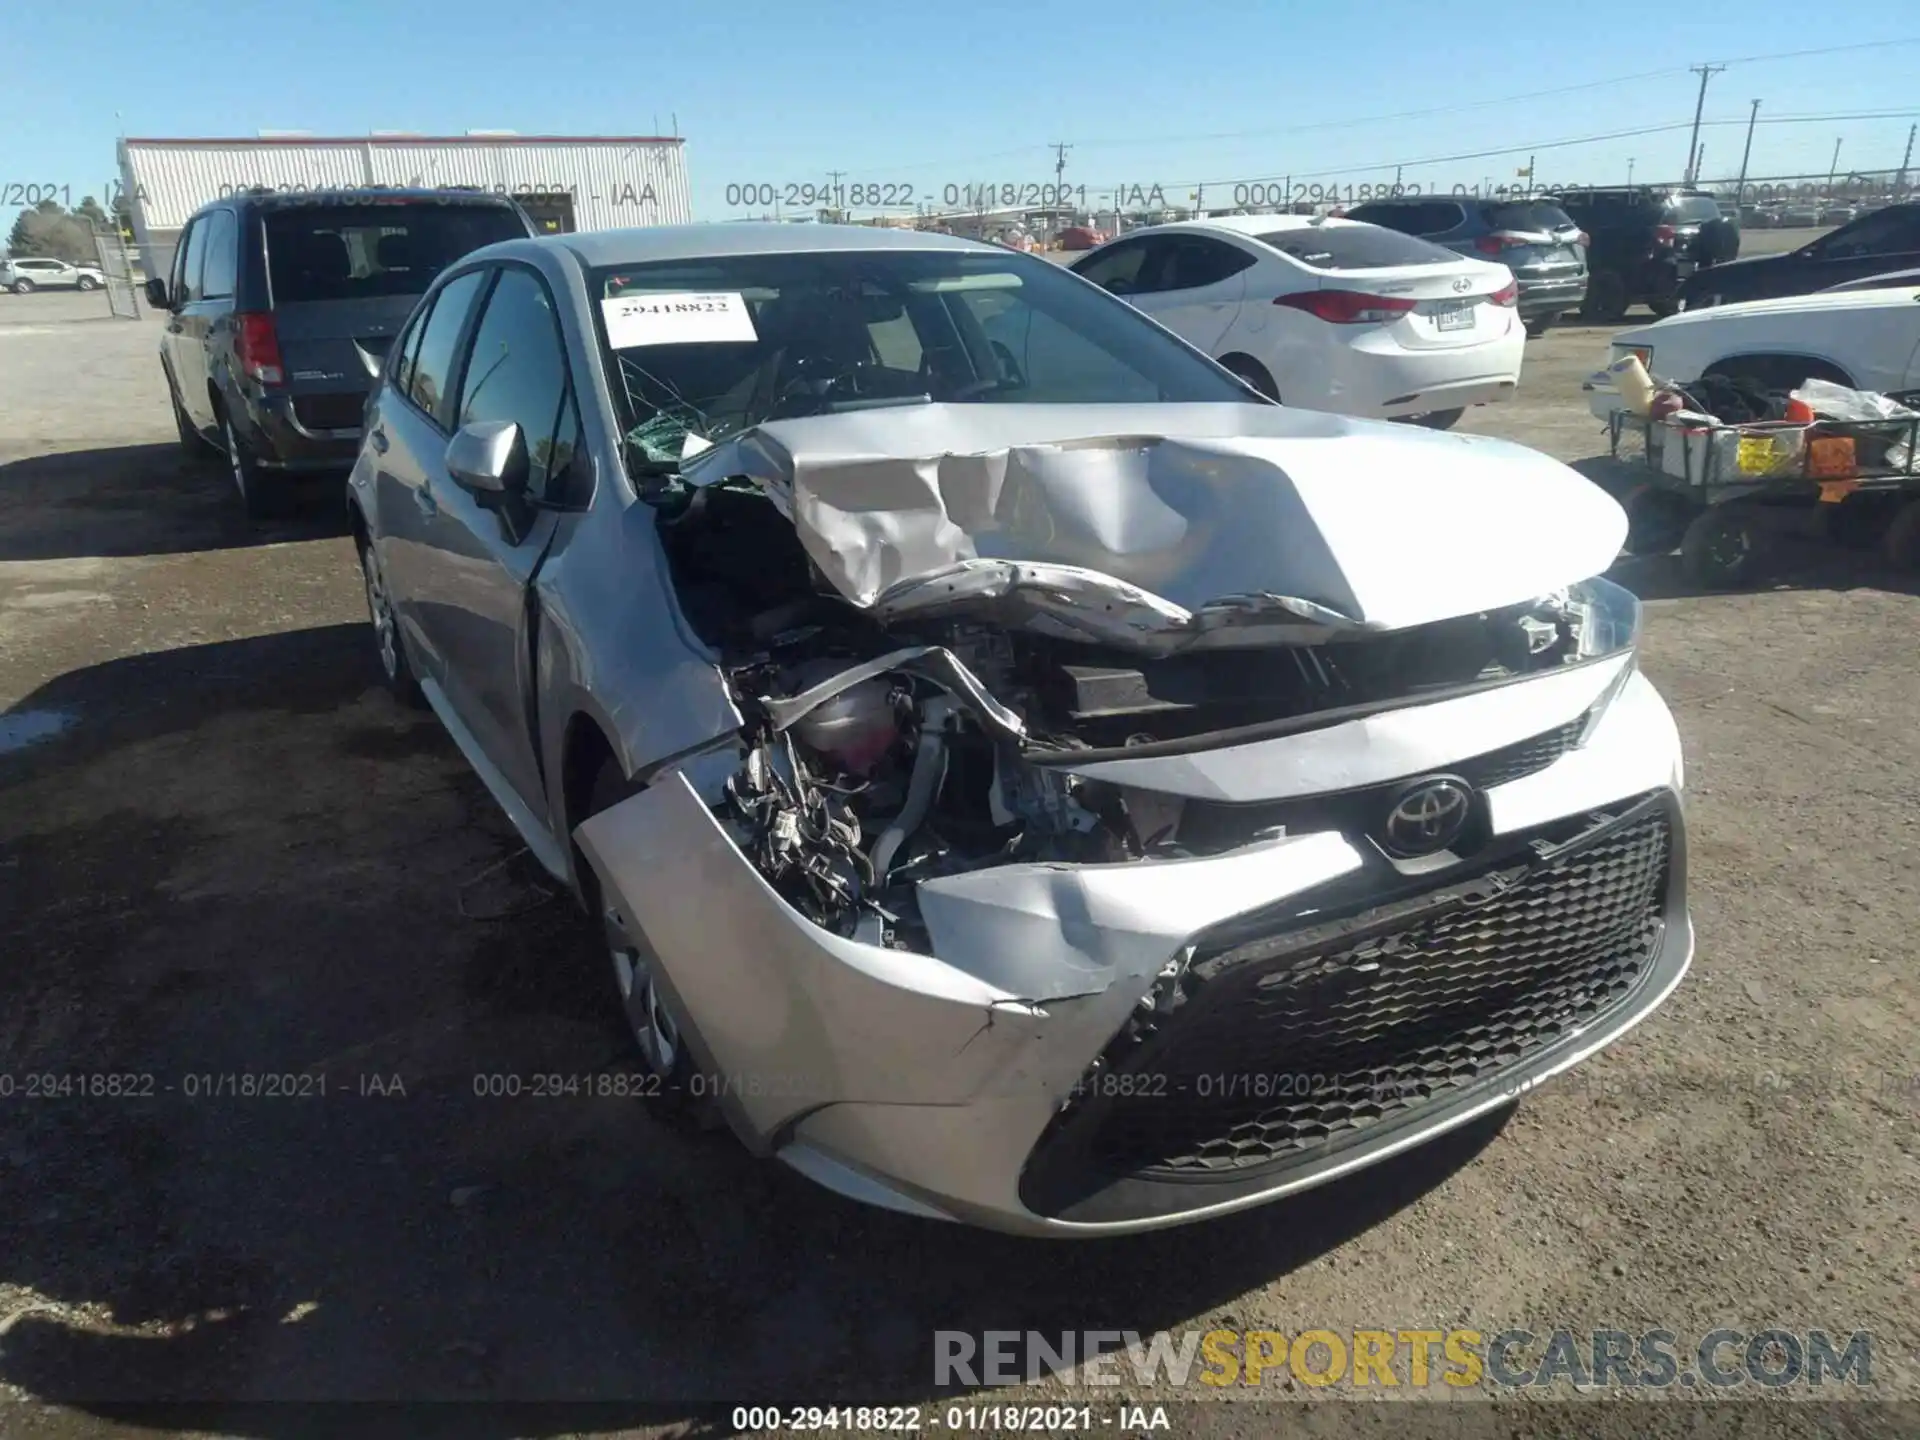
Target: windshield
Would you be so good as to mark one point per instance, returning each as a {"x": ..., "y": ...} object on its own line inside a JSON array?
[
  {"x": 708, "y": 348},
  {"x": 391, "y": 247},
  {"x": 1356, "y": 247}
]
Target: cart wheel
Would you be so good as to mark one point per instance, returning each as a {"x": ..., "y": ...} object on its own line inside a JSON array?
[
  {"x": 1656, "y": 519},
  {"x": 1723, "y": 547},
  {"x": 1901, "y": 543}
]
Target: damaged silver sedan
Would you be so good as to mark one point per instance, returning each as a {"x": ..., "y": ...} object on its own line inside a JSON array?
[{"x": 1024, "y": 777}]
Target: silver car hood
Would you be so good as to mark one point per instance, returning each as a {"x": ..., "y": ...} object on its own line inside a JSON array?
[{"x": 1164, "y": 526}]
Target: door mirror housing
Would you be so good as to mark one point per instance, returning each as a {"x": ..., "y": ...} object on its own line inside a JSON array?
[
  {"x": 489, "y": 457},
  {"x": 157, "y": 293}
]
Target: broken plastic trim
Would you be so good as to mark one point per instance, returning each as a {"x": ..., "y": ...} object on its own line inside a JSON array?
[
  {"x": 936, "y": 662},
  {"x": 1096, "y": 606},
  {"x": 1613, "y": 627}
]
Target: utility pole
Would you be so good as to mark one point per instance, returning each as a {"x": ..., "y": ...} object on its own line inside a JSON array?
[
  {"x": 1900, "y": 181},
  {"x": 1833, "y": 167},
  {"x": 1059, "y": 161},
  {"x": 1740, "y": 189},
  {"x": 1706, "y": 73},
  {"x": 834, "y": 176},
  {"x": 1629, "y": 172}
]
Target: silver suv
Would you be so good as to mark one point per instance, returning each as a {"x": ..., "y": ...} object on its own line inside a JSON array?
[
  {"x": 1535, "y": 239},
  {"x": 23, "y": 277}
]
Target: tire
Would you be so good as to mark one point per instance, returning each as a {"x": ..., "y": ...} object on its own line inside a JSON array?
[
  {"x": 1606, "y": 298},
  {"x": 656, "y": 1036},
  {"x": 1253, "y": 373},
  {"x": 1539, "y": 325},
  {"x": 1656, "y": 519},
  {"x": 1663, "y": 308},
  {"x": 1901, "y": 543},
  {"x": 263, "y": 495},
  {"x": 1723, "y": 548},
  {"x": 87, "y": 282},
  {"x": 1437, "y": 419},
  {"x": 23, "y": 287},
  {"x": 390, "y": 647}
]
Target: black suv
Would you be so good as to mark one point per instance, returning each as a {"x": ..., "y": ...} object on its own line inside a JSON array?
[
  {"x": 1644, "y": 243},
  {"x": 1882, "y": 242},
  {"x": 1535, "y": 239},
  {"x": 280, "y": 309}
]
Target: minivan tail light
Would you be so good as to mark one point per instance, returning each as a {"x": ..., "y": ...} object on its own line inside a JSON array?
[
  {"x": 1507, "y": 294},
  {"x": 259, "y": 348},
  {"x": 1346, "y": 307},
  {"x": 1489, "y": 244},
  {"x": 1583, "y": 240}
]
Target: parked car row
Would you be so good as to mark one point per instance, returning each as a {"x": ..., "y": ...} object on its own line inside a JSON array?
[{"x": 1881, "y": 243}]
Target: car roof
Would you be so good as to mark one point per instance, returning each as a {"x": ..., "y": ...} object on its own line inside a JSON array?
[
  {"x": 352, "y": 195},
  {"x": 711, "y": 240},
  {"x": 1254, "y": 225}
]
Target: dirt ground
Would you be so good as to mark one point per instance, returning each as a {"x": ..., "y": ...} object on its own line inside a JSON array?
[{"x": 234, "y": 856}]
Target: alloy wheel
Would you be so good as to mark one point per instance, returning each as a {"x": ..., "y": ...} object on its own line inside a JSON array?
[
  {"x": 381, "y": 612},
  {"x": 653, "y": 1029}
]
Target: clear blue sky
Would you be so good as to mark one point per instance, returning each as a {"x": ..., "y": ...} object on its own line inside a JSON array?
[{"x": 1145, "y": 91}]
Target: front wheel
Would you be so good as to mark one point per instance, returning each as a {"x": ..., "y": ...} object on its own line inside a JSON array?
[
  {"x": 1539, "y": 325},
  {"x": 23, "y": 287},
  {"x": 656, "y": 1034},
  {"x": 395, "y": 669},
  {"x": 1253, "y": 374},
  {"x": 87, "y": 282},
  {"x": 1663, "y": 308}
]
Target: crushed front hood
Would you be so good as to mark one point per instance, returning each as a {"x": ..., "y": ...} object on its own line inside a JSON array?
[{"x": 1169, "y": 523}]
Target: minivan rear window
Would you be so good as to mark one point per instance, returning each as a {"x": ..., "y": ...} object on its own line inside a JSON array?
[
  {"x": 1355, "y": 247},
  {"x": 352, "y": 252}
]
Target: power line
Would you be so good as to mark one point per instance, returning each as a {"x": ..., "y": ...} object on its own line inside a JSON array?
[{"x": 1422, "y": 114}]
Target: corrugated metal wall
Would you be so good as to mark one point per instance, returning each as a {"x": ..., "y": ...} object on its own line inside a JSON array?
[{"x": 613, "y": 182}]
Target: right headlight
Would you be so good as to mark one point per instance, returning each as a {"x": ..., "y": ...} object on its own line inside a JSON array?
[{"x": 1608, "y": 620}]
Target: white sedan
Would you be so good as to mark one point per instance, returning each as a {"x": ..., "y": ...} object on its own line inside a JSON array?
[
  {"x": 1868, "y": 339},
  {"x": 1328, "y": 314}
]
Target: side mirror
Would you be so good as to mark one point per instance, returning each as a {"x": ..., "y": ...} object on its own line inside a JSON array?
[
  {"x": 489, "y": 457},
  {"x": 157, "y": 293}
]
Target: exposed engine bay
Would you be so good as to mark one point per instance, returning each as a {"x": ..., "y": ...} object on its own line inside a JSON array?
[{"x": 881, "y": 753}]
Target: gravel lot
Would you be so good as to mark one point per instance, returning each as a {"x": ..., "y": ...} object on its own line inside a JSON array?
[{"x": 239, "y": 857}]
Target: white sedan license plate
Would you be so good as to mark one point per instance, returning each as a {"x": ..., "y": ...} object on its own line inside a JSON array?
[{"x": 1457, "y": 316}]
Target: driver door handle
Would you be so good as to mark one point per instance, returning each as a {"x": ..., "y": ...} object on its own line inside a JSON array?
[{"x": 379, "y": 438}]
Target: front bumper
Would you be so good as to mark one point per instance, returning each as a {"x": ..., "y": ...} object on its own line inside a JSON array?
[{"x": 982, "y": 1083}]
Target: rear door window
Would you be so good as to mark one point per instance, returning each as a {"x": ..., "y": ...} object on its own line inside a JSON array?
[
  {"x": 1188, "y": 262},
  {"x": 192, "y": 258},
  {"x": 1355, "y": 247},
  {"x": 381, "y": 247},
  {"x": 429, "y": 384}
]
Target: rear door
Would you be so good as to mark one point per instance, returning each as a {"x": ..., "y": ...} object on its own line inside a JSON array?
[
  {"x": 408, "y": 432},
  {"x": 186, "y": 340},
  {"x": 482, "y": 548},
  {"x": 344, "y": 277},
  {"x": 1194, "y": 286}
]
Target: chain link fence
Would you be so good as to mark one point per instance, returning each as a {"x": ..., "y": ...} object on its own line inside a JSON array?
[{"x": 116, "y": 266}]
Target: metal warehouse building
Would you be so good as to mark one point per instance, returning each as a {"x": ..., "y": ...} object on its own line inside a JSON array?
[{"x": 588, "y": 182}]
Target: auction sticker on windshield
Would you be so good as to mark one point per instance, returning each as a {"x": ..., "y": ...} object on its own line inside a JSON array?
[{"x": 677, "y": 318}]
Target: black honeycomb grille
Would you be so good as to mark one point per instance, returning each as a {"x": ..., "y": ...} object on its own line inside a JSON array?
[
  {"x": 1275, "y": 1054},
  {"x": 1528, "y": 757}
]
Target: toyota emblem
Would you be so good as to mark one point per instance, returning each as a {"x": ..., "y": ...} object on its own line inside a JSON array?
[{"x": 1428, "y": 816}]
